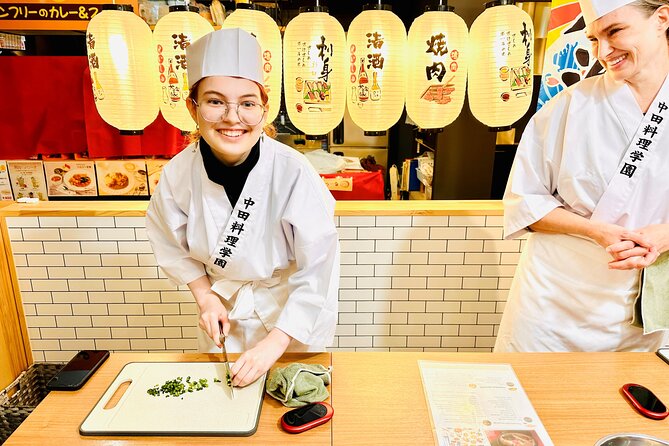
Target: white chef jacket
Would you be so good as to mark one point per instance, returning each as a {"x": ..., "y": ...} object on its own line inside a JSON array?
[
  {"x": 273, "y": 258},
  {"x": 563, "y": 296}
]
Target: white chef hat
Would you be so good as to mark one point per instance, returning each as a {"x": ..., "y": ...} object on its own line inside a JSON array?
[
  {"x": 226, "y": 52},
  {"x": 594, "y": 9}
]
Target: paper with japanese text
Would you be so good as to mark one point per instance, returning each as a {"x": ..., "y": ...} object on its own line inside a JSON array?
[{"x": 480, "y": 405}]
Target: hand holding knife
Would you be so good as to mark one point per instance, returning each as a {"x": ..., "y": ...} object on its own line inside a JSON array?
[{"x": 228, "y": 373}]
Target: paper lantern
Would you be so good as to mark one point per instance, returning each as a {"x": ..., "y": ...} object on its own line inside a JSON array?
[
  {"x": 376, "y": 44},
  {"x": 171, "y": 36},
  {"x": 502, "y": 61},
  {"x": 267, "y": 32},
  {"x": 437, "y": 73},
  {"x": 120, "y": 56},
  {"x": 315, "y": 71}
]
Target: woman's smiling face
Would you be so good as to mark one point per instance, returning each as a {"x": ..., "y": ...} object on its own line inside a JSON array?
[
  {"x": 627, "y": 41},
  {"x": 230, "y": 139}
]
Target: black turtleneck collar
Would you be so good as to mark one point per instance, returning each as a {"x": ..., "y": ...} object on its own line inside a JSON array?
[{"x": 232, "y": 178}]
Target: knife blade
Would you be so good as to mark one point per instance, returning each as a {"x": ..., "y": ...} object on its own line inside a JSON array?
[{"x": 228, "y": 373}]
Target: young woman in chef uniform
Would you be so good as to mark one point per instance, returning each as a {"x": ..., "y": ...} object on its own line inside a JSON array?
[
  {"x": 243, "y": 220},
  {"x": 589, "y": 182}
]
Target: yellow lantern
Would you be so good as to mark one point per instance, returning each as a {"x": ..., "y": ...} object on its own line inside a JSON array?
[
  {"x": 314, "y": 48},
  {"x": 437, "y": 74},
  {"x": 267, "y": 32},
  {"x": 377, "y": 81},
  {"x": 502, "y": 61},
  {"x": 120, "y": 56},
  {"x": 171, "y": 36}
]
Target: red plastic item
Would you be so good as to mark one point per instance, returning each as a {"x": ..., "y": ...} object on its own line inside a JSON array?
[
  {"x": 645, "y": 401},
  {"x": 306, "y": 417}
]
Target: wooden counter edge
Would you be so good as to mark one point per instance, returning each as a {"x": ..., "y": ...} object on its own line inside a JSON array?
[{"x": 343, "y": 208}]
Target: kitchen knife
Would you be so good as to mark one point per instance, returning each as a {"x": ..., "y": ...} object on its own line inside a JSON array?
[{"x": 228, "y": 373}]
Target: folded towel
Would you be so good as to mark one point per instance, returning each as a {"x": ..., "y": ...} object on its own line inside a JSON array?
[
  {"x": 299, "y": 384},
  {"x": 651, "y": 307}
]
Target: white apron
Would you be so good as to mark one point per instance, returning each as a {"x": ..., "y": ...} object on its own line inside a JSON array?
[
  {"x": 273, "y": 258},
  {"x": 564, "y": 297}
]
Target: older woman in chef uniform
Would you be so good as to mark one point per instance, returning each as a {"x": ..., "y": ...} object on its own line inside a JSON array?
[
  {"x": 243, "y": 220},
  {"x": 590, "y": 184}
]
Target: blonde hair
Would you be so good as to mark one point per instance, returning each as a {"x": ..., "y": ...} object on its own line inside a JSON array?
[
  {"x": 650, "y": 6},
  {"x": 269, "y": 129}
]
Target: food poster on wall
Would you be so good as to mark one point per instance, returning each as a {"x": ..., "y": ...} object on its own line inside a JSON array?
[
  {"x": 153, "y": 169},
  {"x": 70, "y": 178},
  {"x": 5, "y": 184},
  {"x": 482, "y": 405},
  {"x": 122, "y": 178},
  {"x": 27, "y": 179},
  {"x": 568, "y": 57}
]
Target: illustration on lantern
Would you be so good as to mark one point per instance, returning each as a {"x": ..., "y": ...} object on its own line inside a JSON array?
[{"x": 440, "y": 93}]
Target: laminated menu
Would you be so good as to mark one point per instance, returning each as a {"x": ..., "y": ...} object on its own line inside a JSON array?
[
  {"x": 5, "y": 184},
  {"x": 480, "y": 405},
  {"x": 122, "y": 178},
  {"x": 153, "y": 169},
  {"x": 70, "y": 178},
  {"x": 27, "y": 179}
]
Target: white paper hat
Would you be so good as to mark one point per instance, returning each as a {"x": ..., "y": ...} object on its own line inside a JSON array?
[
  {"x": 594, "y": 9},
  {"x": 226, "y": 52}
]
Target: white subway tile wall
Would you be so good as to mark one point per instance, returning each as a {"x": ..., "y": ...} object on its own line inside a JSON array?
[{"x": 418, "y": 283}]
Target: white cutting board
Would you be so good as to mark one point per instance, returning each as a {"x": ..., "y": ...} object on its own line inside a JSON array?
[{"x": 210, "y": 411}]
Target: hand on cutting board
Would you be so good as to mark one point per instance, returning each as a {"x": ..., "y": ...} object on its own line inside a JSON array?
[{"x": 254, "y": 362}]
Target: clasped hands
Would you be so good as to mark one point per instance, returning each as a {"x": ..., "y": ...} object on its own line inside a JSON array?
[{"x": 636, "y": 249}]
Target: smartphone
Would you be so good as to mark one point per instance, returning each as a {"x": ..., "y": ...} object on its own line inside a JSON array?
[
  {"x": 78, "y": 370},
  {"x": 663, "y": 352},
  {"x": 305, "y": 417},
  {"x": 645, "y": 401}
]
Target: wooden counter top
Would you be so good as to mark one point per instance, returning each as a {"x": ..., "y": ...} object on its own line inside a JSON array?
[
  {"x": 56, "y": 420},
  {"x": 356, "y": 208},
  {"x": 379, "y": 398}
]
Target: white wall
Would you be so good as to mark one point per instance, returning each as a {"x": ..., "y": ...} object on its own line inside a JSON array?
[{"x": 407, "y": 284}]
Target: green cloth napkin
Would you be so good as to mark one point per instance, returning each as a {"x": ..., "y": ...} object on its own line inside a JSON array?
[
  {"x": 299, "y": 384},
  {"x": 651, "y": 307}
]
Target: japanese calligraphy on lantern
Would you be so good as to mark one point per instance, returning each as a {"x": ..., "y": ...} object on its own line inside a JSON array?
[
  {"x": 50, "y": 14},
  {"x": 377, "y": 56},
  {"x": 437, "y": 72},
  {"x": 315, "y": 72},
  {"x": 172, "y": 35},
  {"x": 500, "y": 75}
]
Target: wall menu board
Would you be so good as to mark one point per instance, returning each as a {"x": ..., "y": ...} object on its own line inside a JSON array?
[{"x": 51, "y": 14}]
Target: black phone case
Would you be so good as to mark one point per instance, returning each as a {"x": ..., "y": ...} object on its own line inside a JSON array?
[
  {"x": 74, "y": 379},
  {"x": 664, "y": 354}
]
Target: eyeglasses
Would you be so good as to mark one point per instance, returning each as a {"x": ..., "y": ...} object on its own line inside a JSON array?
[{"x": 215, "y": 110}]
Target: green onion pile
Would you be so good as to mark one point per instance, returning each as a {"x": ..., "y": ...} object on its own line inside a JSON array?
[{"x": 177, "y": 387}]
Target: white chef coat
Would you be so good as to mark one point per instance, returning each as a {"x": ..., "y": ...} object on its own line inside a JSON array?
[
  {"x": 563, "y": 296},
  {"x": 273, "y": 258}
]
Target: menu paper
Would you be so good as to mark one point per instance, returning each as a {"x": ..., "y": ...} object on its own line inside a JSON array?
[
  {"x": 480, "y": 405},
  {"x": 122, "y": 177},
  {"x": 70, "y": 178},
  {"x": 27, "y": 179},
  {"x": 153, "y": 168},
  {"x": 5, "y": 184}
]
